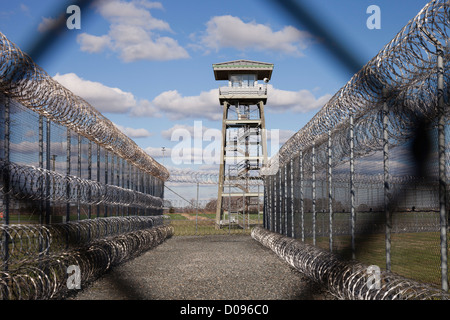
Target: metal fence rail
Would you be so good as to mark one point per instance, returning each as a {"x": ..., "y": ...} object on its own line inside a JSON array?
[{"x": 366, "y": 177}]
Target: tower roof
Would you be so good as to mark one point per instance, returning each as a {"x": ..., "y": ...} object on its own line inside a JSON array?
[{"x": 261, "y": 69}]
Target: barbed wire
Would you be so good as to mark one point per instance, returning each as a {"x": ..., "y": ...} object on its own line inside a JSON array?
[
  {"x": 26, "y": 82},
  {"x": 345, "y": 279},
  {"x": 403, "y": 74},
  {"x": 196, "y": 176},
  {"x": 35, "y": 183},
  {"x": 27, "y": 242},
  {"x": 45, "y": 276}
]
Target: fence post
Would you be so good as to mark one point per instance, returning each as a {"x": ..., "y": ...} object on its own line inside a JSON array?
[
  {"x": 386, "y": 181},
  {"x": 277, "y": 199},
  {"x": 284, "y": 199},
  {"x": 314, "y": 192},
  {"x": 68, "y": 155},
  {"x": 41, "y": 165},
  {"x": 442, "y": 176},
  {"x": 271, "y": 203},
  {"x": 98, "y": 176},
  {"x": 302, "y": 208},
  {"x": 266, "y": 202},
  {"x": 229, "y": 203},
  {"x": 89, "y": 177},
  {"x": 129, "y": 185},
  {"x": 47, "y": 176},
  {"x": 292, "y": 199},
  {"x": 441, "y": 156},
  {"x": 264, "y": 205},
  {"x": 41, "y": 240},
  {"x": 6, "y": 181},
  {"x": 79, "y": 176},
  {"x": 196, "y": 215},
  {"x": 352, "y": 185},
  {"x": 330, "y": 194},
  {"x": 106, "y": 181},
  {"x": 90, "y": 190},
  {"x": 274, "y": 201},
  {"x": 138, "y": 187},
  {"x": 113, "y": 156}
]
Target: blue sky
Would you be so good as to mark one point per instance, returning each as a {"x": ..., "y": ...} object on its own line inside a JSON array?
[{"x": 147, "y": 65}]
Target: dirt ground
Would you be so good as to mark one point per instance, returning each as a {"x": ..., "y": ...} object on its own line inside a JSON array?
[{"x": 204, "y": 268}]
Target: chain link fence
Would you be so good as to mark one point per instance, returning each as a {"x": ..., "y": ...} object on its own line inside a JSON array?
[
  {"x": 76, "y": 194},
  {"x": 196, "y": 217},
  {"x": 367, "y": 177}
]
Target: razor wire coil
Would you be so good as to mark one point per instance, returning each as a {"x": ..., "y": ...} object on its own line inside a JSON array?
[
  {"x": 403, "y": 74},
  {"x": 194, "y": 176},
  {"x": 344, "y": 279},
  {"x": 34, "y": 183},
  {"x": 26, "y": 82},
  {"x": 45, "y": 276},
  {"x": 32, "y": 241}
]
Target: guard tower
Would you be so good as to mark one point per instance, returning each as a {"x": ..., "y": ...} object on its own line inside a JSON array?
[{"x": 244, "y": 146}]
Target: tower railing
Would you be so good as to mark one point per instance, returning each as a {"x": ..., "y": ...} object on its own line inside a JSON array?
[{"x": 259, "y": 90}]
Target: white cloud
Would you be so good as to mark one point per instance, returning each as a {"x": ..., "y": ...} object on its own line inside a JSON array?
[
  {"x": 134, "y": 33},
  {"x": 282, "y": 136},
  {"x": 176, "y": 107},
  {"x": 157, "y": 152},
  {"x": 194, "y": 145},
  {"x": 93, "y": 44},
  {"x": 194, "y": 130},
  {"x": 146, "y": 108},
  {"x": 101, "y": 97},
  {"x": 206, "y": 104},
  {"x": 190, "y": 156},
  {"x": 231, "y": 32},
  {"x": 134, "y": 133},
  {"x": 295, "y": 101},
  {"x": 25, "y": 147},
  {"x": 120, "y": 12}
]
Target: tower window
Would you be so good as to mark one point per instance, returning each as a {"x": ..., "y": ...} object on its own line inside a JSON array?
[{"x": 242, "y": 80}]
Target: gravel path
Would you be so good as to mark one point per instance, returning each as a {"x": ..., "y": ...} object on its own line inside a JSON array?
[{"x": 215, "y": 267}]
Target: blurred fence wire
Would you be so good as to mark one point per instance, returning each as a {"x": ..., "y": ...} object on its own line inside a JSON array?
[{"x": 366, "y": 178}]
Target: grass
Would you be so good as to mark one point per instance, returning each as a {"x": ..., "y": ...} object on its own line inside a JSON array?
[
  {"x": 203, "y": 224},
  {"x": 413, "y": 255},
  {"x": 187, "y": 227}
]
